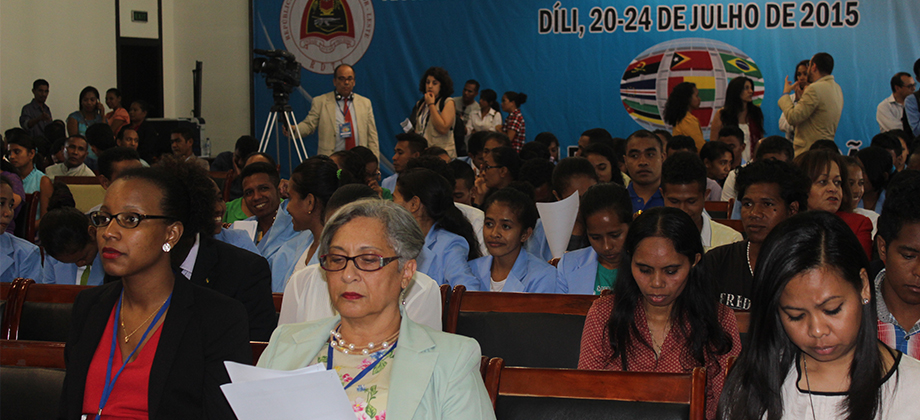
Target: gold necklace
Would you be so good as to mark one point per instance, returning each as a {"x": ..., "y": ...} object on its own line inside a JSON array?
[{"x": 128, "y": 336}]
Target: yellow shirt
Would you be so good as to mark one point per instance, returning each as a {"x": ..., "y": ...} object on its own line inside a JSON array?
[{"x": 690, "y": 126}]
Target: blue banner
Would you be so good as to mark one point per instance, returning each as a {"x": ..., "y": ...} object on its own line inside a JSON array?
[{"x": 577, "y": 60}]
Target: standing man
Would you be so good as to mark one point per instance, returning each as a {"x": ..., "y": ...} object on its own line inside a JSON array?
[
  {"x": 466, "y": 106},
  {"x": 182, "y": 140},
  {"x": 36, "y": 115},
  {"x": 344, "y": 119},
  {"x": 889, "y": 111},
  {"x": 75, "y": 152},
  {"x": 817, "y": 112}
]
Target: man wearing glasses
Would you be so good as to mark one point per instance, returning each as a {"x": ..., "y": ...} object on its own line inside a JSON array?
[
  {"x": 342, "y": 118},
  {"x": 889, "y": 111}
]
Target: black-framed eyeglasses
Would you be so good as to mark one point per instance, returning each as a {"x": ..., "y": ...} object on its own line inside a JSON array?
[
  {"x": 127, "y": 219},
  {"x": 363, "y": 262},
  {"x": 486, "y": 167}
]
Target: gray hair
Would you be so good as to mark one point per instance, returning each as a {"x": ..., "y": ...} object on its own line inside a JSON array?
[{"x": 403, "y": 233}]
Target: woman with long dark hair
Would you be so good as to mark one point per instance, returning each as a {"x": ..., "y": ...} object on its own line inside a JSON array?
[
  {"x": 814, "y": 351},
  {"x": 662, "y": 315},
  {"x": 490, "y": 114},
  {"x": 433, "y": 115},
  {"x": 740, "y": 111},
  {"x": 450, "y": 242},
  {"x": 801, "y": 79},
  {"x": 514, "y": 126},
  {"x": 685, "y": 97},
  {"x": 90, "y": 112}
]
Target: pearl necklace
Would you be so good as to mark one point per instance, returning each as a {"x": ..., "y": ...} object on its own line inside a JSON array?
[
  {"x": 748, "y": 256},
  {"x": 336, "y": 341}
]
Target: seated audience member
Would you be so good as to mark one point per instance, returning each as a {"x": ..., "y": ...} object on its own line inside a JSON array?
[
  {"x": 73, "y": 165},
  {"x": 499, "y": 169},
  {"x": 683, "y": 186},
  {"x": 19, "y": 194},
  {"x": 813, "y": 317},
  {"x": 128, "y": 138},
  {"x": 893, "y": 145},
  {"x": 91, "y": 112},
  {"x": 450, "y": 241},
  {"x": 474, "y": 150},
  {"x": 856, "y": 173},
  {"x": 364, "y": 167},
  {"x": 769, "y": 148},
  {"x": 176, "y": 352},
  {"x": 733, "y": 137},
  {"x": 571, "y": 176},
  {"x": 661, "y": 316},
  {"x": 408, "y": 146},
  {"x": 182, "y": 142},
  {"x": 339, "y": 158},
  {"x": 118, "y": 116},
  {"x": 71, "y": 253},
  {"x": 644, "y": 156},
  {"x": 604, "y": 161},
  {"x": 678, "y": 112},
  {"x": 913, "y": 159},
  {"x": 769, "y": 192},
  {"x": 718, "y": 160},
  {"x": 510, "y": 217},
  {"x": 907, "y": 143},
  {"x": 898, "y": 240},
  {"x": 112, "y": 163},
  {"x": 148, "y": 144},
  {"x": 223, "y": 231},
  {"x": 830, "y": 191},
  {"x": 494, "y": 140},
  {"x": 534, "y": 150},
  {"x": 666, "y": 137},
  {"x": 100, "y": 138},
  {"x": 877, "y": 163},
  {"x": 306, "y": 295},
  {"x": 22, "y": 156},
  {"x": 607, "y": 213},
  {"x": 539, "y": 174},
  {"x": 262, "y": 196},
  {"x": 244, "y": 147},
  {"x": 437, "y": 152},
  {"x": 20, "y": 257},
  {"x": 372, "y": 235},
  {"x": 591, "y": 136},
  {"x": 237, "y": 208},
  {"x": 828, "y": 145},
  {"x": 463, "y": 183},
  {"x": 552, "y": 144},
  {"x": 678, "y": 143}
]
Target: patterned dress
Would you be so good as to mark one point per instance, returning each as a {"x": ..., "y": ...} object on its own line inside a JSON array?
[{"x": 369, "y": 395}]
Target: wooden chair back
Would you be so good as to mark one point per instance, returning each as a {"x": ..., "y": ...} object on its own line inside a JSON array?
[
  {"x": 719, "y": 209},
  {"x": 31, "y": 232},
  {"x": 43, "y": 311},
  {"x": 732, "y": 223}
]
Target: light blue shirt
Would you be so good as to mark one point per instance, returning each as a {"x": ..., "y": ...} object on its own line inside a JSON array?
[
  {"x": 237, "y": 238},
  {"x": 19, "y": 258},
  {"x": 282, "y": 246},
  {"x": 389, "y": 182},
  {"x": 57, "y": 272},
  {"x": 537, "y": 245},
  {"x": 529, "y": 274},
  {"x": 576, "y": 272},
  {"x": 444, "y": 259},
  {"x": 913, "y": 114}
]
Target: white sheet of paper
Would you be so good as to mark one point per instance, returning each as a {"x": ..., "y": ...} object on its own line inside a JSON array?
[
  {"x": 240, "y": 373},
  {"x": 246, "y": 225},
  {"x": 558, "y": 221},
  {"x": 307, "y": 395},
  {"x": 406, "y": 125}
]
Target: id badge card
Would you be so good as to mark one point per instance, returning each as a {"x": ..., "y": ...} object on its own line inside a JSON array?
[{"x": 345, "y": 130}]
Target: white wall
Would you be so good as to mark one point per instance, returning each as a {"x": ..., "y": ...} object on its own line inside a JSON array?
[{"x": 72, "y": 45}]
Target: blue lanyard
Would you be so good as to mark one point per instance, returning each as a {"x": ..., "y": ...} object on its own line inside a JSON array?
[
  {"x": 109, "y": 381},
  {"x": 363, "y": 372}
]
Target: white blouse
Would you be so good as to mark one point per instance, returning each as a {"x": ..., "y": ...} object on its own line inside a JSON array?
[{"x": 492, "y": 119}]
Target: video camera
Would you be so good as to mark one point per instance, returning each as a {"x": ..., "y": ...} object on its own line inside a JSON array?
[{"x": 281, "y": 71}]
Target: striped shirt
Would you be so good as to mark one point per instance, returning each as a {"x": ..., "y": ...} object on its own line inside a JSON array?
[{"x": 889, "y": 331}]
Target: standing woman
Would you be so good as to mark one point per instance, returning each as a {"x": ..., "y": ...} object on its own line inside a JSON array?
[
  {"x": 433, "y": 115},
  {"x": 450, "y": 241},
  {"x": 662, "y": 315},
  {"x": 740, "y": 111},
  {"x": 90, "y": 112},
  {"x": 514, "y": 126},
  {"x": 151, "y": 344},
  {"x": 118, "y": 117},
  {"x": 685, "y": 98},
  {"x": 801, "y": 79},
  {"x": 814, "y": 350},
  {"x": 490, "y": 115}
]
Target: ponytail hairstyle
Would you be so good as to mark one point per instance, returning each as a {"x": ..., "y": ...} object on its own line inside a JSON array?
[
  {"x": 695, "y": 312},
  {"x": 804, "y": 242},
  {"x": 491, "y": 98},
  {"x": 436, "y": 194},
  {"x": 517, "y": 97},
  {"x": 319, "y": 176}
]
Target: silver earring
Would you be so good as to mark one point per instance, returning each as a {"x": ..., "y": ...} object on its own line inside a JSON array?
[
  {"x": 167, "y": 247},
  {"x": 865, "y": 301}
]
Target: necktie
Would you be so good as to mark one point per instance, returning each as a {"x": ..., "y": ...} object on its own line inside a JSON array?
[
  {"x": 85, "y": 277},
  {"x": 350, "y": 141}
]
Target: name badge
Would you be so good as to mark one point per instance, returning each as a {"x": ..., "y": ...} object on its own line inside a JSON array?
[{"x": 345, "y": 130}]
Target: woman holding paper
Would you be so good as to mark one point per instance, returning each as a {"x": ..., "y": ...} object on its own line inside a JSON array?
[
  {"x": 389, "y": 365},
  {"x": 151, "y": 344}
]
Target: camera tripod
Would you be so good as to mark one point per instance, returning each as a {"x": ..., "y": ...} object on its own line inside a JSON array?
[{"x": 272, "y": 125}]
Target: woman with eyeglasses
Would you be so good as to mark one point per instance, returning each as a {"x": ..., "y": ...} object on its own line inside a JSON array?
[
  {"x": 151, "y": 344},
  {"x": 389, "y": 365}
]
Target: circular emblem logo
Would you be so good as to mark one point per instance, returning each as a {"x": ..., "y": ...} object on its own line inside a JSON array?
[
  {"x": 325, "y": 33},
  {"x": 710, "y": 64}
]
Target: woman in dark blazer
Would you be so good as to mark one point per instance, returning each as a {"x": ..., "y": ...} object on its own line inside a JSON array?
[{"x": 157, "y": 340}]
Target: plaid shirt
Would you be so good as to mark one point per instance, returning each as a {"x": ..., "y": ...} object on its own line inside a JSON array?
[
  {"x": 515, "y": 121},
  {"x": 892, "y": 334}
]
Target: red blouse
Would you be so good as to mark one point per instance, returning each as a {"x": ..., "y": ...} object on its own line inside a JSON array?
[
  {"x": 129, "y": 395},
  {"x": 861, "y": 226},
  {"x": 596, "y": 353}
]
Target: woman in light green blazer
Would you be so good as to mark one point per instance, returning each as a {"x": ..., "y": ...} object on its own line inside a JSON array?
[{"x": 390, "y": 366}]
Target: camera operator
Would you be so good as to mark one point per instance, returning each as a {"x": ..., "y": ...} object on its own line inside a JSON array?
[{"x": 344, "y": 119}]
